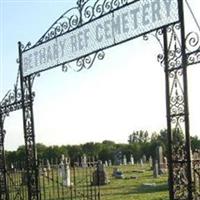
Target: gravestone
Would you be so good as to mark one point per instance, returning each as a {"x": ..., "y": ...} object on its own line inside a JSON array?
[
  {"x": 106, "y": 163},
  {"x": 118, "y": 158},
  {"x": 144, "y": 158},
  {"x": 100, "y": 176},
  {"x": 117, "y": 173},
  {"x": 159, "y": 158},
  {"x": 165, "y": 163},
  {"x": 124, "y": 160},
  {"x": 141, "y": 163},
  {"x": 12, "y": 166},
  {"x": 64, "y": 172},
  {"x": 195, "y": 155},
  {"x": 48, "y": 166},
  {"x": 150, "y": 162},
  {"x": 110, "y": 163},
  {"x": 155, "y": 169},
  {"x": 132, "y": 160},
  {"x": 84, "y": 161}
]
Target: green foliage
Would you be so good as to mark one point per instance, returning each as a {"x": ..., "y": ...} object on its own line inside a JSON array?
[
  {"x": 140, "y": 143},
  {"x": 195, "y": 143},
  {"x": 139, "y": 137}
]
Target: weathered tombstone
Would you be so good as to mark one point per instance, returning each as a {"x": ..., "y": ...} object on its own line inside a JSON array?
[
  {"x": 64, "y": 172},
  {"x": 106, "y": 163},
  {"x": 144, "y": 158},
  {"x": 66, "y": 180},
  {"x": 93, "y": 161},
  {"x": 117, "y": 173},
  {"x": 159, "y": 158},
  {"x": 118, "y": 158},
  {"x": 62, "y": 157},
  {"x": 44, "y": 171},
  {"x": 124, "y": 160},
  {"x": 48, "y": 166},
  {"x": 155, "y": 170},
  {"x": 100, "y": 176},
  {"x": 132, "y": 160},
  {"x": 110, "y": 163},
  {"x": 195, "y": 155},
  {"x": 165, "y": 163},
  {"x": 84, "y": 161},
  {"x": 150, "y": 161},
  {"x": 141, "y": 163},
  {"x": 12, "y": 167}
]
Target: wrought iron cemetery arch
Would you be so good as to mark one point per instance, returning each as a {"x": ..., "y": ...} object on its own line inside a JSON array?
[{"x": 176, "y": 56}]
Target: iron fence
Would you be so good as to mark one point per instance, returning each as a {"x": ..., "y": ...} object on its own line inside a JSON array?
[{"x": 57, "y": 181}]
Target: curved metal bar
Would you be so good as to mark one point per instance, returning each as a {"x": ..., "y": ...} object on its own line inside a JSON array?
[{"x": 77, "y": 16}]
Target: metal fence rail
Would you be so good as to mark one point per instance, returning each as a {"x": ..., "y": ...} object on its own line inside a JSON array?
[{"x": 57, "y": 182}]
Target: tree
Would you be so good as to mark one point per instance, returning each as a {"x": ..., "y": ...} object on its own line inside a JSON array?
[
  {"x": 91, "y": 149},
  {"x": 195, "y": 143},
  {"x": 21, "y": 154},
  {"x": 41, "y": 148},
  {"x": 107, "y": 150},
  {"x": 75, "y": 152},
  {"x": 139, "y": 137}
]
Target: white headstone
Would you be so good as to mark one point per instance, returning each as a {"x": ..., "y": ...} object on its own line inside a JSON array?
[
  {"x": 84, "y": 161},
  {"x": 64, "y": 172},
  {"x": 144, "y": 158},
  {"x": 156, "y": 170},
  {"x": 165, "y": 163},
  {"x": 106, "y": 163},
  {"x": 150, "y": 161},
  {"x": 141, "y": 162},
  {"x": 132, "y": 160},
  {"x": 124, "y": 160}
]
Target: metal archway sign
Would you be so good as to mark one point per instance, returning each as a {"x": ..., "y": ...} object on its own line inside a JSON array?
[
  {"x": 80, "y": 35},
  {"x": 123, "y": 23}
]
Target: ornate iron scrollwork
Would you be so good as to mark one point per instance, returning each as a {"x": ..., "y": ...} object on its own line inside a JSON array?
[
  {"x": 175, "y": 70},
  {"x": 83, "y": 63},
  {"x": 11, "y": 102},
  {"x": 193, "y": 48},
  {"x": 27, "y": 97},
  {"x": 84, "y": 12},
  {"x": 171, "y": 59},
  {"x": 31, "y": 158}
]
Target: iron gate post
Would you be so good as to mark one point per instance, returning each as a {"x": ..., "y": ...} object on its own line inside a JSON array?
[
  {"x": 32, "y": 168},
  {"x": 179, "y": 153},
  {"x": 186, "y": 107},
  {"x": 4, "y": 195},
  {"x": 167, "y": 88}
]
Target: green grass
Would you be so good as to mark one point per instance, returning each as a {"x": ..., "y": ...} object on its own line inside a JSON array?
[
  {"x": 117, "y": 189},
  {"x": 130, "y": 189}
]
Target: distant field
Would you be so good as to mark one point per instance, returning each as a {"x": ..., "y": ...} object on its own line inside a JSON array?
[{"x": 130, "y": 189}]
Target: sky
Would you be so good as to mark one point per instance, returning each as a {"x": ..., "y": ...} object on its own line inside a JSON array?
[{"x": 122, "y": 93}]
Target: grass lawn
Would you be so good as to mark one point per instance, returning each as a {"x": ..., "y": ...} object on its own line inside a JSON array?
[
  {"x": 118, "y": 189},
  {"x": 130, "y": 189}
]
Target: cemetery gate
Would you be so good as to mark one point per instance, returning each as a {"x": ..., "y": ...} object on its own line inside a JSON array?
[{"x": 75, "y": 41}]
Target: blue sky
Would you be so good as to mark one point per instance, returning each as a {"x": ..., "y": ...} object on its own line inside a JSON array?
[{"x": 120, "y": 94}]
